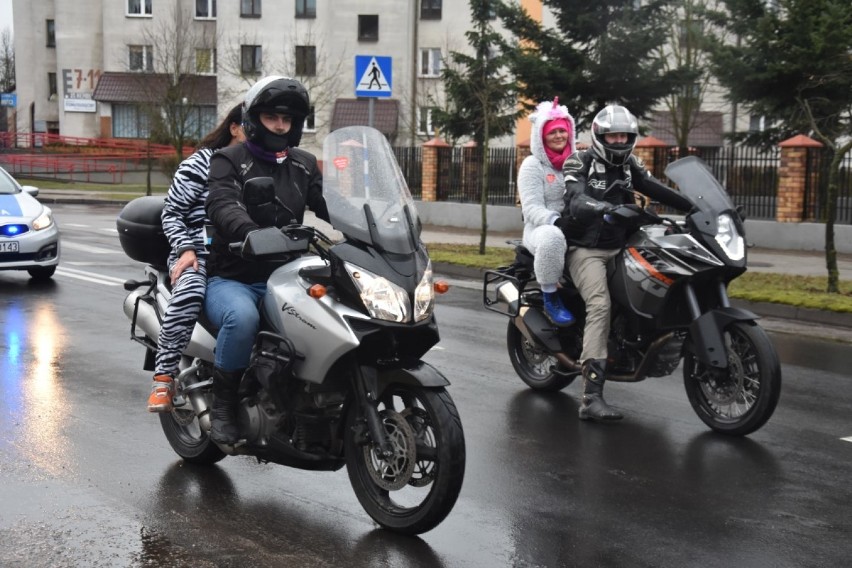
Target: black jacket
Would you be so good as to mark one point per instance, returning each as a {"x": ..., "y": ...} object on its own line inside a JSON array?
[
  {"x": 298, "y": 183},
  {"x": 588, "y": 188}
]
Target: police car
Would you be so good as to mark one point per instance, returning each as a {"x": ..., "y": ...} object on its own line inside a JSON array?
[{"x": 29, "y": 237}]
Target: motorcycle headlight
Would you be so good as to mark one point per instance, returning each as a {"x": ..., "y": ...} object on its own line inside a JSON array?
[
  {"x": 424, "y": 295},
  {"x": 383, "y": 299},
  {"x": 43, "y": 221},
  {"x": 729, "y": 238}
]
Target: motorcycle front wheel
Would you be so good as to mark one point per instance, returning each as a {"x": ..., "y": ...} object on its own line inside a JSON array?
[
  {"x": 187, "y": 438},
  {"x": 412, "y": 491},
  {"x": 741, "y": 398},
  {"x": 533, "y": 364}
]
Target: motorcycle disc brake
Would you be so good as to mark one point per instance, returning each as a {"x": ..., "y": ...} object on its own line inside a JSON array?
[
  {"x": 395, "y": 472},
  {"x": 424, "y": 470}
]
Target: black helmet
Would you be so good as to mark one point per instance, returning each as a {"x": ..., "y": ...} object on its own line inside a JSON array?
[
  {"x": 278, "y": 95},
  {"x": 611, "y": 120}
]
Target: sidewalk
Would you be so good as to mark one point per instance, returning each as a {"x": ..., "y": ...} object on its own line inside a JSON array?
[{"x": 777, "y": 316}]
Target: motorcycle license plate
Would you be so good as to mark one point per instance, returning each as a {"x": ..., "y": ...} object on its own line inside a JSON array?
[{"x": 9, "y": 246}]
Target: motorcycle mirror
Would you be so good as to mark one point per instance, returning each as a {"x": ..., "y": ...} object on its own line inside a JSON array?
[{"x": 259, "y": 191}]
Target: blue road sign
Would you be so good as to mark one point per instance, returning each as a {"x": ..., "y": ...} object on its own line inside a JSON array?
[
  {"x": 9, "y": 99},
  {"x": 373, "y": 76}
]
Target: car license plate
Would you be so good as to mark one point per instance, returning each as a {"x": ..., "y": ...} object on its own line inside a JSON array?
[{"x": 9, "y": 246}]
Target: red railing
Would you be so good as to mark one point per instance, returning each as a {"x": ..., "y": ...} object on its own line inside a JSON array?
[{"x": 73, "y": 158}]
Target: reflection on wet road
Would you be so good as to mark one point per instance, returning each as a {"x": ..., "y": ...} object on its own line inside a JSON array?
[{"x": 33, "y": 406}]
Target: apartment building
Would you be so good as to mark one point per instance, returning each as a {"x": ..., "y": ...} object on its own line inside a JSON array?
[{"x": 88, "y": 68}]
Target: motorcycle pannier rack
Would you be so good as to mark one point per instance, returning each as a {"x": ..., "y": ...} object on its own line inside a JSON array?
[{"x": 500, "y": 291}]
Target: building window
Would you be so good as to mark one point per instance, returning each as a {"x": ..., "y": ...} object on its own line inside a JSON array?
[
  {"x": 130, "y": 121},
  {"x": 306, "y": 60},
  {"x": 250, "y": 59},
  {"x": 368, "y": 27},
  {"x": 199, "y": 121},
  {"x": 758, "y": 123},
  {"x": 51, "y": 86},
  {"x": 141, "y": 57},
  {"x": 430, "y": 62},
  {"x": 250, "y": 8},
  {"x": 139, "y": 7},
  {"x": 51, "y": 33},
  {"x": 310, "y": 122},
  {"x": 690, "y": 33},
  {"x": 430, "y": 9},
  {"x": 306, "y": 8},
  {"x": 205, "y": 9},
  {"x": 205, "y": 60},
  {"x": 424, "y": 121}
]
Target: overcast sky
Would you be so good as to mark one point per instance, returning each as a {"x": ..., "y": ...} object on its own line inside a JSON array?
[{"x": 5, "y": 14}]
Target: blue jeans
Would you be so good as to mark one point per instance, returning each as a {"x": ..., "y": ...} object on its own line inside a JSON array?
[{"x": 234, "y": 308}]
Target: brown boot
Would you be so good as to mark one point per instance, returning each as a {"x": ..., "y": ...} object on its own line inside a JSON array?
[
  {"x": 162, "y": 392},
  {"x": 594, "y": 407}
]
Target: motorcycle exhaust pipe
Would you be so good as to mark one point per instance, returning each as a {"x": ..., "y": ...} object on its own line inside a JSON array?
[
  {"x": 142, "y": 314},
  {"x": 650, "y": 356}
]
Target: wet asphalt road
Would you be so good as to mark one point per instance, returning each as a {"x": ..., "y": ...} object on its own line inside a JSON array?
[{"x": 87, "y": 478}]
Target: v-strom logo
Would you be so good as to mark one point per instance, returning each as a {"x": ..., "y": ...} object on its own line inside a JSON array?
[{"x": 291, "y": 311}]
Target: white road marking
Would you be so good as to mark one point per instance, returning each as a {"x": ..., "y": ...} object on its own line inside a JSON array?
[
  {"x": 87, "y": 248},
  {"x": 81, "y": 225},
  {"x": 109, "y": 230},
  {"x": 847, "y": 439},
  {"x": 89, "y": 276}
]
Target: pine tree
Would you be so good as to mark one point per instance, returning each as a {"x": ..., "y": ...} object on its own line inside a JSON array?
[
  {"x": 481, "y": 97},
  {"x": 792, "y": 63}
]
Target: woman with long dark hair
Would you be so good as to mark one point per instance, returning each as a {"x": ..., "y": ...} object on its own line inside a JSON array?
[{"x": 183, "y": 223}]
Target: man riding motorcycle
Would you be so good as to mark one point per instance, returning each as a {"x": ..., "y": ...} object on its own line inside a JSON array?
[
  {"x": 596, "y": 181},
  {"x": 274, "y": 113}
]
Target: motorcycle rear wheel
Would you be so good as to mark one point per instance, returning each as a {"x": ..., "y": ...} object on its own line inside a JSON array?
[
  {"x": 187, "y": 438},
  {"x": 416, "y": 489},
  {"x": 740, "y": 399},
  {"x": 532, "y": 363}
]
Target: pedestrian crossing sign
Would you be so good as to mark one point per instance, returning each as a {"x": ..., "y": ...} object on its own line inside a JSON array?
[{"x": 373, "y": 76}]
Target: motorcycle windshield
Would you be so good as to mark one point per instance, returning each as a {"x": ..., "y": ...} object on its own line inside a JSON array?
[
  {"x": 367, "y": 196},
  {"x": 695, "y": 180}
]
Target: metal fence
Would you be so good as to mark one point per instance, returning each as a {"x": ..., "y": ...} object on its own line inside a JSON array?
[
  {"x": 748, "y": 174},
  {"x": 460, "y": 175},
  {"x": 816, "y": 187},
  {"x": 410, "y": 160}
]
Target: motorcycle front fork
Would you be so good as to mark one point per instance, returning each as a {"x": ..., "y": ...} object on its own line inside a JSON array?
[
  {"x": 692, "y": 299},
  {"x": 366, "y": 389}
]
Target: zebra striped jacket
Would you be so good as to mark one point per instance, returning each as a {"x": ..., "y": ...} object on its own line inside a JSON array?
[{"x": 183, "y": 212}]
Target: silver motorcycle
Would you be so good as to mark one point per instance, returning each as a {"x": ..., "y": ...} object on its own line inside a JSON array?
[{"x": 336, "y": 376}]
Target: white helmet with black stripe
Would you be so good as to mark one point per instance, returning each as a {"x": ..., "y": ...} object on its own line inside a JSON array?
[{"x": 614, "y": 119}]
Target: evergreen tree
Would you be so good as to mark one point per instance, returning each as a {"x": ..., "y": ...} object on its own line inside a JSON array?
[
  {"x": 481, "y": 97},
  {"x": 792, "y": 63},
  {"x": 599, "y": 52}
]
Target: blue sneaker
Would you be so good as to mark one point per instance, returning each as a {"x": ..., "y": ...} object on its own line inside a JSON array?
[{"x": 556, "y": 311}]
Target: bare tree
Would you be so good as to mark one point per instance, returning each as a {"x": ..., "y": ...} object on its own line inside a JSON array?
[
  {"x": 7, "y": 61},
  {"x": 315, "y": 67},
  {"x": 173, "y": 92},
  {"x": 686, "y": 57}
]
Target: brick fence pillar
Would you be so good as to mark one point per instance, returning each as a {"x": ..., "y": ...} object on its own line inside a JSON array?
[
  {"x": 429, "y": 169},
  {"x": 792, "y": 178}
]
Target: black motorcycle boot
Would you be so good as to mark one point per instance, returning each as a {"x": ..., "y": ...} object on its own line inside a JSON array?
[
  {"x": 594, "y": 407},
  {"x": 223, "y": 414}
]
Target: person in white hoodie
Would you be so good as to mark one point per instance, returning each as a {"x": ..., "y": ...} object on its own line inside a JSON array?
[{"x": 542, "y": 191}]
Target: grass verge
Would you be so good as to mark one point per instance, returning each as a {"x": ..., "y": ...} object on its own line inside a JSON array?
[{"x": 793, "y": 290}]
